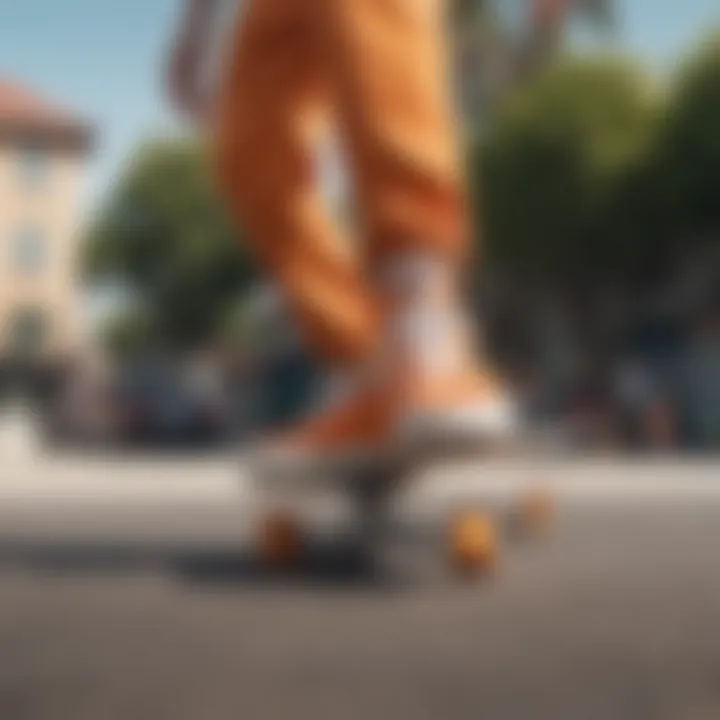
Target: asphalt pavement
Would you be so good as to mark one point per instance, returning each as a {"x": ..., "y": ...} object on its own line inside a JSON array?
[{"x": 128, "y": 590}]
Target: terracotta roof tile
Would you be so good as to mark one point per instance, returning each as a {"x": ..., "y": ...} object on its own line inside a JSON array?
[{"x": 24, "y": 111}]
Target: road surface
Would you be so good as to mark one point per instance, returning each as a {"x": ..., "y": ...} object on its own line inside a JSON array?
[{"x": 126, "y": 591}]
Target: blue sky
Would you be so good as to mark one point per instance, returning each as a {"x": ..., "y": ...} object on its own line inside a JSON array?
[{"x": 102, "y": 58}]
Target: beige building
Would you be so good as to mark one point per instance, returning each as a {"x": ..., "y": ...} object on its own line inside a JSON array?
[{"x": 42, "y": 153}]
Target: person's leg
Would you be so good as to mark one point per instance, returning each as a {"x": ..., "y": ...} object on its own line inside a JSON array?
[
  {"x": 395, "y": 91},
  {"x": 394, "y": 87},
  {"x": 273, "y": 103},
  {"x": 386, "y": 59}
]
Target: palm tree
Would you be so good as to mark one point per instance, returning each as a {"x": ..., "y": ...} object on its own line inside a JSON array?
[{"x": 491, "y": 58}]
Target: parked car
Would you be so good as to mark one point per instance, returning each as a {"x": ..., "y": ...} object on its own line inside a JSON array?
[
  {"x": 162, "y": 405},
  {"x": 79, "y": 412}
]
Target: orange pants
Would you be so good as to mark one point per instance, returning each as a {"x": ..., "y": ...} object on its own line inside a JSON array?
[{"x": 377, "y": 68}]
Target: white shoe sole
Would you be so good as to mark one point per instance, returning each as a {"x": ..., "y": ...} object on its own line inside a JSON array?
[
  {"x": 470, "y": 427},
  {"x": 281, "y": 467}
]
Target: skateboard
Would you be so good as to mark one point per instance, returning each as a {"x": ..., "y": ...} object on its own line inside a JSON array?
[{"x": 467, "y": 540}]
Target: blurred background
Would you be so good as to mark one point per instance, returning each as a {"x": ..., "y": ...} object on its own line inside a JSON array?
[
  {"x": 130, "y": 314},
  {"x": 139, "y": 346}
]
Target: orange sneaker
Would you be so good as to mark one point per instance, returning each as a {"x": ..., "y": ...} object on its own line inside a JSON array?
[{"x": 423, "y": 389}]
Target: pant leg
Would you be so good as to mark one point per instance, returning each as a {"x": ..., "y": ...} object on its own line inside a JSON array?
[
  {"x": 274, "y": 101},
  {"x": 393, "y": 78}
]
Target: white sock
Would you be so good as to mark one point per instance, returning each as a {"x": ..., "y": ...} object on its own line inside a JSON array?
[{"x": 426, "y": 324}]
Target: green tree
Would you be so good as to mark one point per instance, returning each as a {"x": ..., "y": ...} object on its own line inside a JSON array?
[
  {"x": 499, "y": 44},
  {"x": 552, "y": 163},
  {"x": 165, "y": 234},
  {"x": 128, "y": 332},
  {"x": 667, "y": 204},
  {"x": 689, "y": 145}
]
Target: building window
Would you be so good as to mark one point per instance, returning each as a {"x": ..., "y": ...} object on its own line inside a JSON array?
[
  {"x": 33, "y": 165},
  {"x": 28, "y": 329},
  {"x": 28, "y": 251}
]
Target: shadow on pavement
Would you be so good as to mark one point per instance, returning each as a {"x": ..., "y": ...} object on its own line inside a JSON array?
[{"x": 334, "y": 565}]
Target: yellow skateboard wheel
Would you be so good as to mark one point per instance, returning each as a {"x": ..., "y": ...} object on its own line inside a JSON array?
[
  {"x": 536, "y": 511},
  {"x": 472, "y": 543},
  {"x": 280, "y": 540}
]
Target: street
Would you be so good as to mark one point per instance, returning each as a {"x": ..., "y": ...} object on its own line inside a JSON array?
[{"x": 127, "y": 591}]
